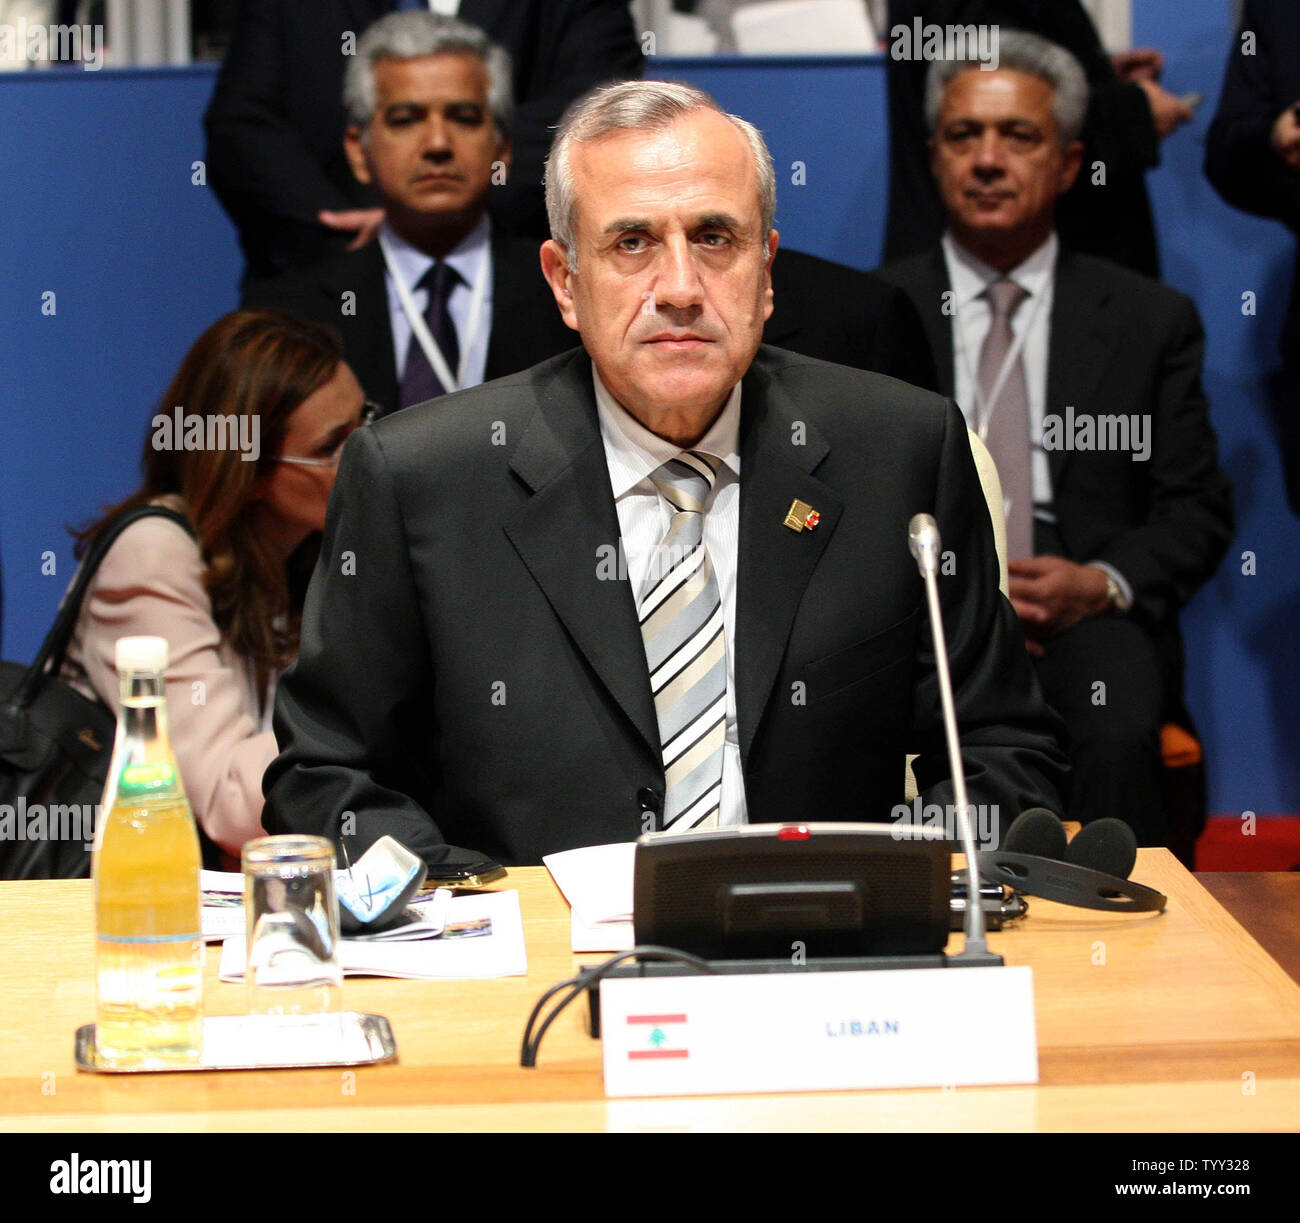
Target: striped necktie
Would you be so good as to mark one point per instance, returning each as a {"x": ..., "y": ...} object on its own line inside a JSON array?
[{"x": 686, "y": 649}]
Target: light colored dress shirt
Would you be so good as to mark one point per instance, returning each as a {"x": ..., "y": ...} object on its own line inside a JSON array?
[
  {"x": 632, "y": 453},
  {"x": 969, "y": 277},
  {"x": 473, "y": 260}
]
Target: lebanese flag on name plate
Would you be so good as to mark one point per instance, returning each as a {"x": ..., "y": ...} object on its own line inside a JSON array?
[{"x": 665, "y": 1037}]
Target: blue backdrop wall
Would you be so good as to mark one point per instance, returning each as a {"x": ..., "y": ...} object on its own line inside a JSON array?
[{"x": 116, "y": 256}]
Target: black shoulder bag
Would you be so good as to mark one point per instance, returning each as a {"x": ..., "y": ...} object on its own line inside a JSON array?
[{"x": 55, "y": 745}]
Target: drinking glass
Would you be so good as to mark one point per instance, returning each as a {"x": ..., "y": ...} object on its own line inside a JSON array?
[{"x": 293, "y": 926}]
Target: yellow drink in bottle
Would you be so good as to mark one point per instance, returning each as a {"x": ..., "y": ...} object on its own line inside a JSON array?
[{"x": 149, "y": 950}]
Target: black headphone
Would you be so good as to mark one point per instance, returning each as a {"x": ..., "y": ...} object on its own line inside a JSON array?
[{"x": 1091, "y": 872}]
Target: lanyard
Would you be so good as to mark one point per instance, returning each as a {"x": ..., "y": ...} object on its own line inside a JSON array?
[
  {"x": 420, "y": 328},
  {"x": 984, "y": 408}
]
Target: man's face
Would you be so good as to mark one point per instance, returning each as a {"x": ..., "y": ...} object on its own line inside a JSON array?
[
  {"x": 672, "y": 287},
  {"x": 997, "y": 155},
  {"x": 432, "y": 142}
]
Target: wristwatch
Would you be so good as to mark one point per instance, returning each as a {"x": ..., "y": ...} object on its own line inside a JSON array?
[{"x": 1115, "y": 600}]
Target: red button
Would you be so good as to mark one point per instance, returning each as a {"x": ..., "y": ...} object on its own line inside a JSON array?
[{"x": 793, "y": 832}]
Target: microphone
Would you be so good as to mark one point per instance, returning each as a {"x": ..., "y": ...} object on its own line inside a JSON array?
[{"x": 923, "y": 543}]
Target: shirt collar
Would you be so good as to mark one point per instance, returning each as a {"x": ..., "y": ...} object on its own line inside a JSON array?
[
  {"x": 971, "y": 276},
  {"x": 633, "y": 452},
  {"x": 466, "y": 257}
]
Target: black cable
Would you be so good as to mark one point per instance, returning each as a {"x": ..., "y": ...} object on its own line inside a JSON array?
[{"x": 584, "y": 980}]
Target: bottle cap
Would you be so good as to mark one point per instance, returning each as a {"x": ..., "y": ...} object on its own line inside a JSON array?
[{"x": 142, "y": 654}]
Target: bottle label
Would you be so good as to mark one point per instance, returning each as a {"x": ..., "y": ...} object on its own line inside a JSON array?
[{"x": 140, "y": 779}]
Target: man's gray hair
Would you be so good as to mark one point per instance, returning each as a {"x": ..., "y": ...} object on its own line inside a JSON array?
[
  {"x": 415, "y": 35},
  {"x": 639, "y": 106},
  {"x": 1022, "y": 52}
]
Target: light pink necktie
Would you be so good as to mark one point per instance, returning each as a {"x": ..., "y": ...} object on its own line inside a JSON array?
[{"x": 1006, "y": 421}]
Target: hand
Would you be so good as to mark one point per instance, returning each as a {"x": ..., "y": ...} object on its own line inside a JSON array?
[
  {"x": 1286, "y": 138},
  {"x": 365, "y": 221},
  {"x": 1168, "y": 111},
  {"x": 1141, "y": 63},
  {"x": 1051, "y": 593}
]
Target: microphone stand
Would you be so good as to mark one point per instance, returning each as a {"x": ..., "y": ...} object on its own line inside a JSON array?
[{"x": 923, "y": 542}]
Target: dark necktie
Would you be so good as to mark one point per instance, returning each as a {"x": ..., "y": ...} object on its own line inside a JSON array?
[
  {"x": 419, "y": 382},
  {"x": 686, "y": 648},
  {"x": 1006, "y": 422}
]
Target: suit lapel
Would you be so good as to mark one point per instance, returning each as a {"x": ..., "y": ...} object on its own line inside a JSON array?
[
  {"x": 1083, "y": 339},
  {"x": 563, "y": 530},
  {"x": 774, "y": 563},
  {"x": 568, "y": 526}
]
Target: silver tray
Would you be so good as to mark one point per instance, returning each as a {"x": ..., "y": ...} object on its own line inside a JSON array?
[{"x": 268, "y": 1042}]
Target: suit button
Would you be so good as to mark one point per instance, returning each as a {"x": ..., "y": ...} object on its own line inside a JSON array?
[{"x": 649, "y": 799}]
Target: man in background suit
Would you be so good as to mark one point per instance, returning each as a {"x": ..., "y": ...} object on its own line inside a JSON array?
[
  {"x": 430, "y": 116},
  {"x": 1252, "y": 156},
  {"x": 496, "y": 652},
  {"x": 836, "y": 313},
  {"x": 1111, "y": 526},
  {"x": 1129, "y": 113},
  {"x": 276, "y": 120}
]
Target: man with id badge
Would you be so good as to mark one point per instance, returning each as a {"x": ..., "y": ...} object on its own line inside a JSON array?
[
  {"x": 440, "y": 302},
  {"x": 1083, "y": 379}
]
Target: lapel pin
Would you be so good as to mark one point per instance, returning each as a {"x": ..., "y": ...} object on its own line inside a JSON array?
[{"x": 801, "y": 516}]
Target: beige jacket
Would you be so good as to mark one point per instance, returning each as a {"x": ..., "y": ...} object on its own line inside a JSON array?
[{"x": 151, "y": 583}]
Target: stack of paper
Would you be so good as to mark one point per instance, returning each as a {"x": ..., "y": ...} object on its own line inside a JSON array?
[
  {"x": 223, "y": 912},
  {"x": 597, "y": 883},
  {"x": 476, "y": 935}
]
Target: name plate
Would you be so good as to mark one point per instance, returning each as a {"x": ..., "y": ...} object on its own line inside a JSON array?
[{"x": 818, "y": 1031}]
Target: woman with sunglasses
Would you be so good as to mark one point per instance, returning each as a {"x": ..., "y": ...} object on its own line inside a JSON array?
[{"x": 262, "y": 406}]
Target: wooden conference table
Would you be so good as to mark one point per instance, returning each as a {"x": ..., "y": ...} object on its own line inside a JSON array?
[{"x": 1145, "y": 1022}]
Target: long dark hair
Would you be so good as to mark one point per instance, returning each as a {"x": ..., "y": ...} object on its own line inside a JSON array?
[{"x": 252, "y": 363}]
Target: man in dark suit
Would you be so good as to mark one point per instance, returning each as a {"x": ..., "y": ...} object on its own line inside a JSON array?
[
  {"x": 660, "y": 582},
  {"x": 836, "y": 313},
  {"x": 1252, "y": 156},
  {"x": 429, "y": 129},
  {"x": 1085, "y": 380},
  {"x": 276, "y": 119},
  {"x": 1128, "y": 114}
]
